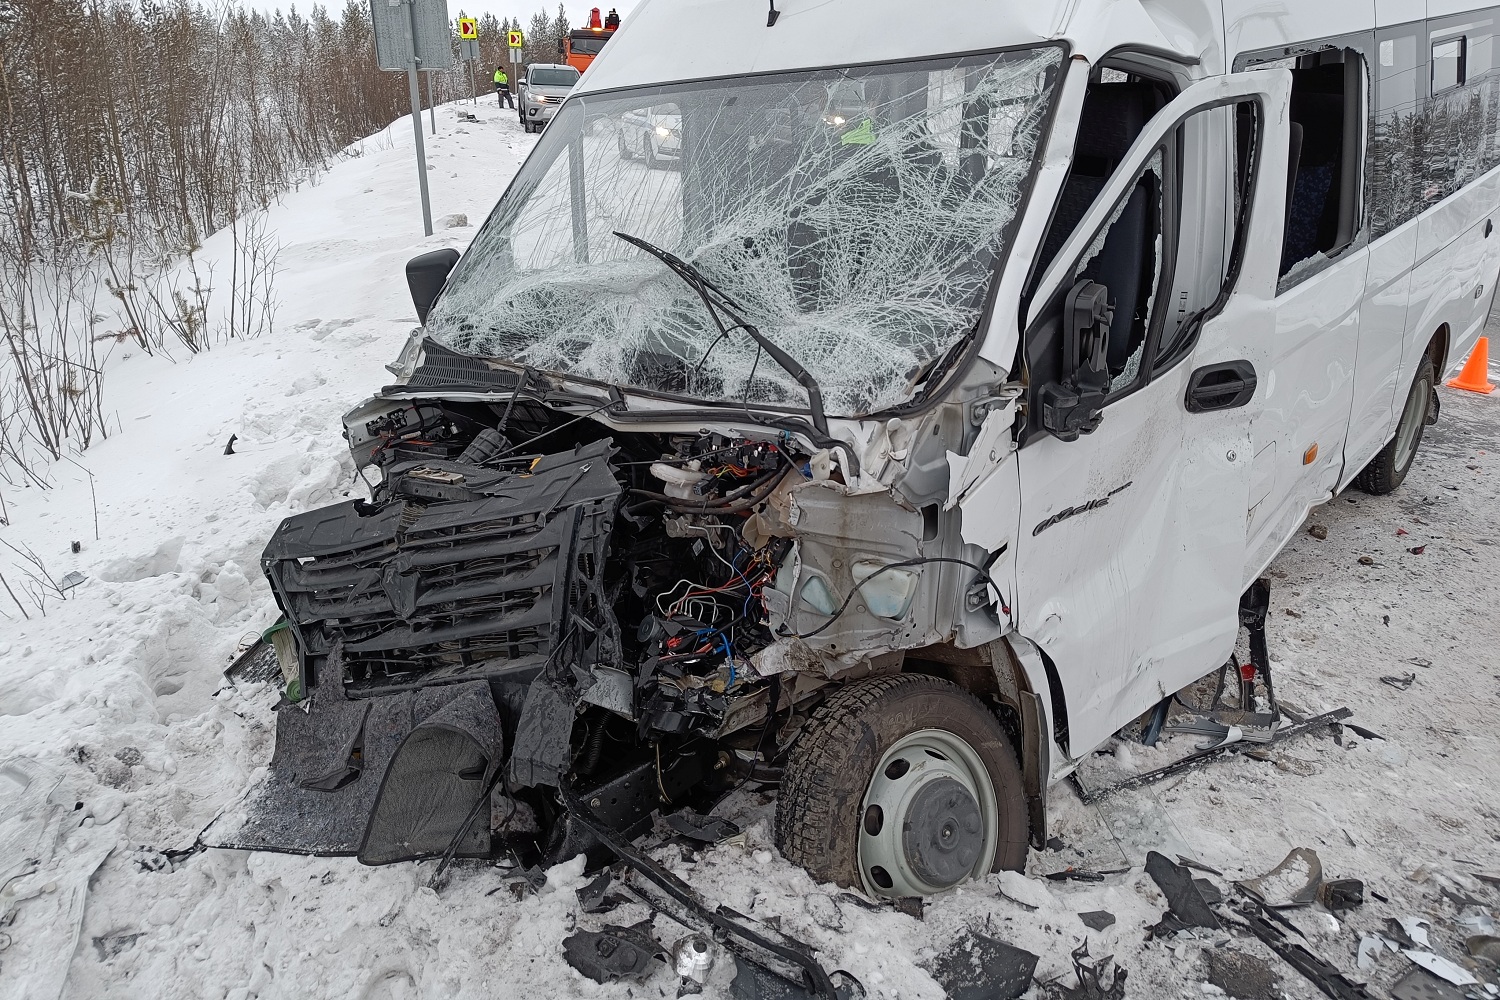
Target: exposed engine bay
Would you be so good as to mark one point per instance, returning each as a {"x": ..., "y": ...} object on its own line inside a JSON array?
[{"x": 532, "y": 600}]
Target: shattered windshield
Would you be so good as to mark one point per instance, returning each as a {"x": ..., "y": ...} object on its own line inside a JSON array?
[{"x": 855, "y": 217}]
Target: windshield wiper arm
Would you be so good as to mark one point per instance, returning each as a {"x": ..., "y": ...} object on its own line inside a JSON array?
[{"x": 708, "y": 292}]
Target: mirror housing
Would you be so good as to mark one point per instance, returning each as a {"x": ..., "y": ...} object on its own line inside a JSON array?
[
  {"x": 425, "y": 276},
  {"x": 1075, "y": 405}
]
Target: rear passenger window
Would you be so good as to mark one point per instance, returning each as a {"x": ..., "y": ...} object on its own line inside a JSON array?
[
  {"x": 1324, "y": 170},
  {"x": 1449, "y": 58}
]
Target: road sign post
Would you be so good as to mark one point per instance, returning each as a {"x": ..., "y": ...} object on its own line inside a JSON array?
[{"x": 413, "y": 35}]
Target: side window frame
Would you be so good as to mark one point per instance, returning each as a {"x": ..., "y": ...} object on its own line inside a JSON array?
[{"x": 1352, "y": 179}]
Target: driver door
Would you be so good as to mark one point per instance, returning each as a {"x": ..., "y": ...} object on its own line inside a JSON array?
[{"x": 1133, "y": 535}]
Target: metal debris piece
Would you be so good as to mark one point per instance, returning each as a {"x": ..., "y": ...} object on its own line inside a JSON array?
[
  {"x": 1071, "y": 874},
  {"x": 1184, "y": 900},
  {"x": 1091, "y": 984},
  {"x": 1442, "y": 967},
  {"x": 704, "y": 829},
  {"x": 613, "y": 953},
  {"x": 1241, "y": 975},
  {"x": 1342, "y": 893},
  {"x": 1419, "y": 985},
  {"x": 978, "y": 967},
  {"x": 1477, "y": 920},
  {"x": 1211, "y": 893},
  {"x": 693, "y": 957},
  {"x": 70, "y": 580},
  {"x": 1097, "y": 920},
  {"x": 1400, "y": 683},
  {"x": 1197, "y": 759},
  {"x": 596, "y": 897},
  {"x": 1294, "y": 882},
  {"x": 1371, "y": 947}
]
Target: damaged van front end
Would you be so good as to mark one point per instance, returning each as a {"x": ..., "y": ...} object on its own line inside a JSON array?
[{"x": 674, "y": 474}]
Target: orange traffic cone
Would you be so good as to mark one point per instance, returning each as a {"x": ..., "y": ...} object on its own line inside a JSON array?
[{"x": 1476, "y": 374}]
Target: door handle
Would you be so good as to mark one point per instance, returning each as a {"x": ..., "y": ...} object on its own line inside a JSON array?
[{"x": 1223, "y": 386}]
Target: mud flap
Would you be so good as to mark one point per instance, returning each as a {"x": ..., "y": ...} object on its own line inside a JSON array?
[{"x": 386, "y": 779}]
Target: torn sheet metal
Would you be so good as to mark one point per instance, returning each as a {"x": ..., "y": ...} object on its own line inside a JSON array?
[
  {"x": 979, "y": 967},
  {"x": 1294, "y": 882},
  {"x": 994, "y": 444}
]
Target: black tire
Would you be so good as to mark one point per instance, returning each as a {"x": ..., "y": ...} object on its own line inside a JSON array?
[
  {"x": 831, "y": 766},
  {"x": 1388, "y": 469},
  {"x": 649, "y": 148},
  {"x": 626, "y": 153}
]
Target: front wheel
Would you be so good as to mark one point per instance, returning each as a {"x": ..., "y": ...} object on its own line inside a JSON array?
[
  {"x": 1388, "y": 469},
  {"x": 904, "y": 786}
]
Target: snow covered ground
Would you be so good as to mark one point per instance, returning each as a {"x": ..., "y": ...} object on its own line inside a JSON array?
[{"x": 119, "y": 739}]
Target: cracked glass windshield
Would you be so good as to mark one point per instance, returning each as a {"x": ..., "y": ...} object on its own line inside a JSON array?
[{"x": 855, "y": 217}]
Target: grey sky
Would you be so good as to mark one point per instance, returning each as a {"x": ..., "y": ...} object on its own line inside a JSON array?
[{"x": 578, "y": 10}]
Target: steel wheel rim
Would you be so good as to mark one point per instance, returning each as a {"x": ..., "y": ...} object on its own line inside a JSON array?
[
  {"x": 1411, "y": 423},
  {"x": 940, "y": 768}
]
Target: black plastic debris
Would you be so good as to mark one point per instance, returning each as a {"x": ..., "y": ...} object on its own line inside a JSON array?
[
  {"x": 1185, "y": 903},
  {"x": 1400, "y": 683},
  {"x": 613, "y": 953},
  {"x": 1211, "y": 893},
  {"x": 1071, "y": 874},
  {"x": 596, "y": 897},
  {"x": 704, "y": 829},
  {"x": 1327, "y": 978},
  {"x": 1091, "y": 985},
  {"x": 1243, "y": 976},
  {"x": 1342, "y": 893},
  {"x": 1097, "y": 920},
  {"x": 755, "y": 982},
  {"x": 978, "y": 967}
]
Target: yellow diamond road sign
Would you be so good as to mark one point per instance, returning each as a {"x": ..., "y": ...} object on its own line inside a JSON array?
[
  {"x": 468, "y": 28},
  {"x": 514, "y": 39}
]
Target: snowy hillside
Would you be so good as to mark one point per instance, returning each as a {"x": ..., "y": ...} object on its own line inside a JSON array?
[{"x": 120, "y": 739}]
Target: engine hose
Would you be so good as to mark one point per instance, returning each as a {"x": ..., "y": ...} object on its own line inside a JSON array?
[{"x": 593, "y": 751}]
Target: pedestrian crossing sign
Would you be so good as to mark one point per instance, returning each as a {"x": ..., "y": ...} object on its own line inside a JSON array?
[{"x": 468, "y": 28}]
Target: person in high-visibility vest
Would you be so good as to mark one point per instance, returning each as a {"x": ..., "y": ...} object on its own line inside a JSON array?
[{"x": 502, "y": 87}]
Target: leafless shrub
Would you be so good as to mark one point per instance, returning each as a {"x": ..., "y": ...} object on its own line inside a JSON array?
[{"x": 36, "y": 584}]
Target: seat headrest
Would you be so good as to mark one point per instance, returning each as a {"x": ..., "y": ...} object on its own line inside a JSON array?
[{"x": 1113, "y": 115}]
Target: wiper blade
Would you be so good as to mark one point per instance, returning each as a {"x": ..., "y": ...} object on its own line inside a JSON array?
[{"x": 715, "y": 300}]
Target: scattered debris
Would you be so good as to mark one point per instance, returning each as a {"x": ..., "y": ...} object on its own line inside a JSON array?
[
  {"x": 755, "y": 982},
  {"x": 1401, "y": 531},
  {"x": 1342, "y": 893},
  {"x": 1196, "y": 759},
  {"x": 978, "y": 967},
  {"x": 1071, "y": 874},
  {"x": 704, "y": 829},
  {"x": 613, "y": 953},
  {"x": 1417, "y": 550},
  {"x": 1477, "y": 920},
  {"x": 229, "y": 445},
  {"x": 70, "y": 580},
  {"x": 1210, "y": 892},
  {"x": 1442, "y": 967},
  {"x": 1399, "y": 683},
  {"x": 1241, "y": 975},
  {"x": 1366, "y": 561},
  {"x": 1294, "y": 882},
  {"x": 1318, "y": 531},
  {"x": 1420, "y": 661},
  {"x": 1419, "y": 985},
  {"x": 1408, "y": 932},
  {"x": 596, "y": 897},
  {"x": 1091, "y": 979},
  {"x": 1097, "y": 920},
  {"x": 1186, "y": 906},
  {"x": 693, "y": 957},
  {"x": 1371, "y": 947},
  {"x": 1198, "y": 866},
  {"x": 1324, "y": 976}
]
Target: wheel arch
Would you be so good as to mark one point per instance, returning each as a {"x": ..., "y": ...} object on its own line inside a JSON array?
[{"x": 1437, "y": 349}]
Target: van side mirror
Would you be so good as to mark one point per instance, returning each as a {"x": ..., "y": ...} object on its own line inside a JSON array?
[
  {"x": 1075, "y": 405},
  {"x": 425, "y": 275}
]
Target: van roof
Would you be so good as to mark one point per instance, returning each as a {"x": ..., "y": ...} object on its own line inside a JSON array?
[{"x": 665, "y": 41}]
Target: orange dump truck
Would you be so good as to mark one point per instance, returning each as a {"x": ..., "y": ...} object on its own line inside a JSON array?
[{"x": 581, "y": 45}]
